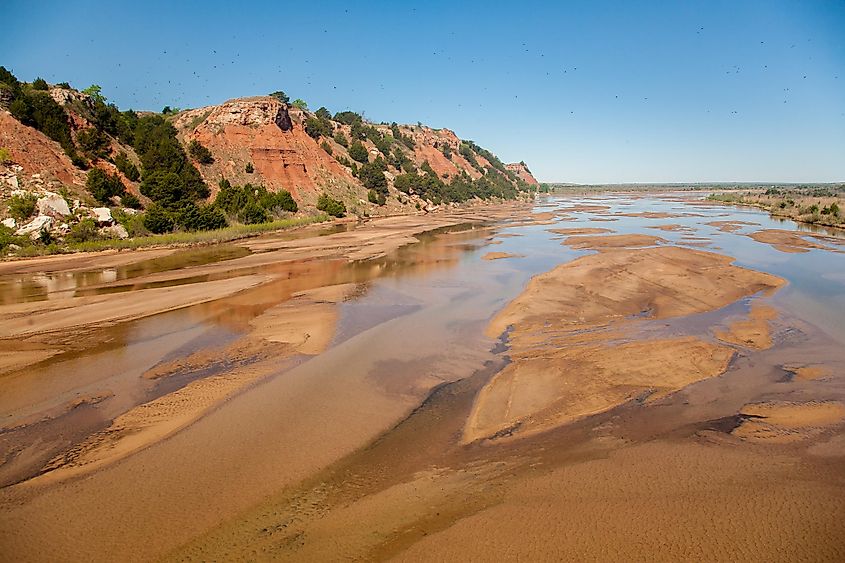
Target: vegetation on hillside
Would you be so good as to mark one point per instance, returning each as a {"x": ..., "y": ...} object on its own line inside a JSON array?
[{"x": 151, "y": 158}]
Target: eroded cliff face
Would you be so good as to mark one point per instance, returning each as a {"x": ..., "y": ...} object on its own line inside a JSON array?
[
  {"x": 261, "y": 132},
  {"x": 36, "y": 153},
  {"x": 521, "y": 170},
  {"x": 259, "y": 140}
]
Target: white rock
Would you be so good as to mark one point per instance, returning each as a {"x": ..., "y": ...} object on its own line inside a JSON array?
[
  {"x": 34, "y": 227},
  {"x": 115, "y": 231},
  {"x": 130, "y": 211},
  {"x": 13, "y": 182},
  {"x": 53, "y": 205},
  {"x": 102, "y": 215},
  {"x": 10, "y": 222}
]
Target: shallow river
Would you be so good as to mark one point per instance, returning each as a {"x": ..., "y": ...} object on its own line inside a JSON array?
[{"x": 414, "y": 321}]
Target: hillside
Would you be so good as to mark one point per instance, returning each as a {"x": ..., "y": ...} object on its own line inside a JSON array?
[{"x": 157, "y": 172}]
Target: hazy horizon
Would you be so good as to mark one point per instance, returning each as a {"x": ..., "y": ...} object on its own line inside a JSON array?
[{"x": 588, "y": 93}]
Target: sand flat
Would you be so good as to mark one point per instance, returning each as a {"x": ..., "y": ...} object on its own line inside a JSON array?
[
  {"x": 752, "y": 332},
  {"x": 555, "y": 378},
  {"x": 48, "y": 316},
  {"x": 787, "y": 241},
  {"x": 559, "y": 386},
  {"x": 782, "y": 422},
  {"x": 580, "y": 231},
  {"x": 499, "y": 255},
  {"x": 611, "y": 241}
]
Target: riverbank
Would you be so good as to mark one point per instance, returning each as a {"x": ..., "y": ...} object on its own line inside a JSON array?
[{"x": 824, "y": 209}]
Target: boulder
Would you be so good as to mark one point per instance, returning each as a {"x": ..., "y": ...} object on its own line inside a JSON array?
[
  {"x": 10, "y": 222},
  {"x": 34, "y": 227},
  {"x": 115, "y": 231},
  {"x": 52, "y": 205},
  {"x": 12, "y": 181},
  {"x": 102, "y": 215}
]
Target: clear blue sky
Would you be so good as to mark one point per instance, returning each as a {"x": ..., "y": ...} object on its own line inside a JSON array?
[{"x": 582, "y": 91}]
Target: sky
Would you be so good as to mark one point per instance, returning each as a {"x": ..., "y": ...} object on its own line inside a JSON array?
[{"x": 585, "y": 92}]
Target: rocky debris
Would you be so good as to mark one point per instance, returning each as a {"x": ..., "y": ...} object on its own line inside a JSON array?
[
  {"x": 102, "y": 215},
  {"x": 52, "y": 204},
  {"x": 115, "y": 231},
  {"x": 35, "y": 227},
  {"x": 9, "y": 222},
  {"x": 252, "y": 112},
  {"x": 9, "y": 177}
]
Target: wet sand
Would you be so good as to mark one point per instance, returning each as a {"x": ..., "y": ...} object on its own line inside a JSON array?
[
  {"x": 392, "y": 392},
  {"x": 583, "y": 365}
]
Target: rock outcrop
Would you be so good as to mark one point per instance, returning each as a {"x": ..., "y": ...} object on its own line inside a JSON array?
[
  {"x": 260, "y": 132},
  {"x": 521, "y": 170}
]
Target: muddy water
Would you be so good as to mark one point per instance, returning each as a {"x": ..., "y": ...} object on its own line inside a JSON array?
[{"x": 415, "y": 324}]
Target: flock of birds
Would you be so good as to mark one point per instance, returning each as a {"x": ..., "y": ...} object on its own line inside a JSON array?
[{"x": 206, "y": 77}]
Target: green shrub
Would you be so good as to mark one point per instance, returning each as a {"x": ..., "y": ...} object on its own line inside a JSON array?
[
  {"x": 132, "y": 222},
  {"x": 253, "y": 213},
  {"x": 358, "y": 152},
  {"x": 281, "y": 96},
  {"x": 127, "y": 167},
  {"x": 200, "y": 153},
  {"x": 299, "y": 103},
  {"x": 104, "y": 186},
  {"x": 376, "y": 197},
  {"x": 21, "y": 207},
  {"x": 249, "y": 169},
  {"x": 372, "y": 176},
  {"x": 5, "y": 156},
  {"x": 278, "y": 201},
  {"x": 341, "y": 139},
  {"x": 7, "y": 237},
  {"x": 168, "y": 177},
  {"x": 348, "y": 117},
  {"x": 130, "y": 200},
  {"x": 201, "y": 218},
  {"x": 157, "y": 220},
  {"x": 331, "y": 206},
  {"x": 316, "y": 127},
  {"x": 93, "y": 142},
  {"x": 6, "y": 77},
  {"x": 37, "y": 109},
  {"x": 96, "y": 93},
  {"x": 40, "y": 84},
  {"x": 84, "y": 231},
  {"x": 234, "y": 200},
  {"x": 326, "y": 147}
]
